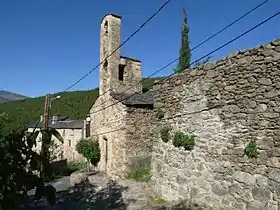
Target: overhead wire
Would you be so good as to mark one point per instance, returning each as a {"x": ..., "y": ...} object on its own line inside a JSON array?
[
  {"x": 206, "y": 55},
  {"x": 197, "y": 46},
  {"x": 135, "y": 32}
]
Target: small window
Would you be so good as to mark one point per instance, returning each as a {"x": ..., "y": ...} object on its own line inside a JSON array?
[
  {"x": 63, "y": 133},
  {"x": 106, "y": 27},
  {"x": 69, "y": 143},
  {"x": 105, "y": 65},
  {"x": 87, "y": 130},
  {"x": 121, "y": 72}
]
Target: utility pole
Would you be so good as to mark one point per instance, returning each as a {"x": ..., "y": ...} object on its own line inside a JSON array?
[
  {"x": 45, "y": 127},
  {"x": 46, "y": 112}
]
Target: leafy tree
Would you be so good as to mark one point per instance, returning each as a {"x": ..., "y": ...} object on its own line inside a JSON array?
[
  {"x": 89, "y": 148},
  {"x": 46, "y": 148},
  {"x": 18, "y": 166},
  {"x": 185, "y": 54}
]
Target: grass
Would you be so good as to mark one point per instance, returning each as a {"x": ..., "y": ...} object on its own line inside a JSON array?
[{"x": 140, "y": 173}]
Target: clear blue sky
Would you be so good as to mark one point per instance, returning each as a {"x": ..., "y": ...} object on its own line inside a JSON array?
[{"x": 45, "y": 46}]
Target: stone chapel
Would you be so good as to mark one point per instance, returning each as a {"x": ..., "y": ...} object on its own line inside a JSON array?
[{"x": 122, "y": 116}]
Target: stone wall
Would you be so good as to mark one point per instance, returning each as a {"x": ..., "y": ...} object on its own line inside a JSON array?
[
  {"x": 122, "y": 134},
  {"x": 139, "y": 136},
  {"x": 225, "y": 104},
  {"x": 107, "y": 125}
]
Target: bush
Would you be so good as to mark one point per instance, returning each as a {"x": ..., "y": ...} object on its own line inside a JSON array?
[
  {"x": 181, "y": 139},
  {"x": 140, "y": 169},
  {"x": 251, "y": 150},
  {"x": 159, "y": 114},
  {"x": 89, "y": 148},
  {"x": 164, "y": 134}
]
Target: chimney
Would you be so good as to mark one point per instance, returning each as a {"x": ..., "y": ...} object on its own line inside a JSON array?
[
  {"x": 54, "y": 119},
  {"x": 41, "y": 118}
]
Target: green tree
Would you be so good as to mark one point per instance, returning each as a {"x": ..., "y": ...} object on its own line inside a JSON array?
[
  {"x": 89, "y": 148},
  {"x": 46, "y": 148},
  {"x": 185, "y": 54},
  {"x": 18, "y": 164}
]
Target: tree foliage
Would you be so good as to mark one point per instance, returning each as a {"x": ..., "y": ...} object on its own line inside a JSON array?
[
  {"x": 89, "y": 148},
  {"x": 185, "y": 54},
  {"x": 18, "y": 166}
]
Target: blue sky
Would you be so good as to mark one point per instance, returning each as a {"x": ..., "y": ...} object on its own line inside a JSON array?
[{"x": 45, "y": 46}]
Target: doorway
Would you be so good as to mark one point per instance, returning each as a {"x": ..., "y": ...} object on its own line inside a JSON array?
[{"x": 105, "y": 153}]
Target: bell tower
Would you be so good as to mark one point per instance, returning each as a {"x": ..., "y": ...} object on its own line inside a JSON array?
[
  {"x": 117, "y": 73},
  {"x": 109, "y": 41}
]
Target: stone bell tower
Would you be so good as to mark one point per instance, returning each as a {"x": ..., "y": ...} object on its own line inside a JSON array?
[{"x": 117, "y": 73}]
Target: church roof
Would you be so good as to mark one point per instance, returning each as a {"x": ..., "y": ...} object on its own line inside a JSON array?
[{"x": 146, "y": 98}]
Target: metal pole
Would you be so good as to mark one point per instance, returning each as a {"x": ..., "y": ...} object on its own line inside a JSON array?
[{"x": 46, "y": 113}]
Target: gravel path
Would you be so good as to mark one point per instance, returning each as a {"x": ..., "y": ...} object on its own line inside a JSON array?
[{"x": 96, "y": 192}]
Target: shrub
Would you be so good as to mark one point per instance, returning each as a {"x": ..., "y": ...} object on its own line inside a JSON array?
[
  {"x": 164, "y": 134},
  {"x": 159, "y": 114},
  {"x": 181, "y": 139},
  {"x": 251, "y": 150},
  {"x": 89, "y": 148},
  {"x": 140, "y": 169}
]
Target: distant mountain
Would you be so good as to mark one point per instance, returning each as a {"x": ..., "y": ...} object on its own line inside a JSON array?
[{"x": 6, "y": 96}]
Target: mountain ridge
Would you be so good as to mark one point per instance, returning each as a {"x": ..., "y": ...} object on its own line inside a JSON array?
[{"x": 6, "y": 96}]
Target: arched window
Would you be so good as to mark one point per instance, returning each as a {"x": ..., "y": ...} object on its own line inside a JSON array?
[{"x": 106, "y": 27}]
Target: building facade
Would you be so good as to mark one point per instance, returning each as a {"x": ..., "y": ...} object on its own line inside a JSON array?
[
  {"x": 122, "y": 116},
  {"x": 70, "y": 130}
]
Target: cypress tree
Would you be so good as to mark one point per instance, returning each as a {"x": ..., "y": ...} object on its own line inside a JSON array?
[{"x": 185, "y": 54}]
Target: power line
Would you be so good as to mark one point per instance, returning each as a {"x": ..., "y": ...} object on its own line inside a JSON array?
[
  {"x": 213, "y": 51},
  {"x": 135, "y": 32},
  {"x": 199, "y": 45}
]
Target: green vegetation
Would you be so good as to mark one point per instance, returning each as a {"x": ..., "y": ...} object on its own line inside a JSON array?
[
  {"x": 159, "y": 113},
  {"x": 17, "y": 115},
  {"x": 89, "y": 148},
  {"x": 76, "y": 166},
  {"x": 251, "y": 150},
  {"x": 164, "y": 134},
  {"x": 185, "y": 54},
  {"x": 19, "y": 166},
  {"x": 140, "y": 173},
  {"x": 181, "y": 139},
  {"x": 139, "y": 169}
]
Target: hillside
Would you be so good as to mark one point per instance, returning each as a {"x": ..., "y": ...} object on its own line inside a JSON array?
[
  {"x": 76, "y": 104},
  {"x": 6, "y": 96}
]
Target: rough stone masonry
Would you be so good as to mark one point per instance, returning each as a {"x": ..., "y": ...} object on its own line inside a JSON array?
[{"x": 225, "y": 104}]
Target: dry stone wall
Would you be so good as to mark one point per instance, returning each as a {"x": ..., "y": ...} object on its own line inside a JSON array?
[
  {"x": 225, "y": 104},
  {"x": 139, "y": 136}
]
